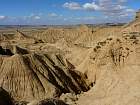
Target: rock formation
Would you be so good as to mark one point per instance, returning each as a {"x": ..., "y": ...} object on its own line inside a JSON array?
[
  {"x": 39, "y": 76},
  {"x": 50, "y": 101}
]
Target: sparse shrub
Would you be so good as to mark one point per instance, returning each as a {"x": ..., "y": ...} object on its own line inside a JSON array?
[
  {"x": 95, "y": 50},
  {"x": 127, "y": 48},
  {"x": 39, "y": 41},
  {"x": 98, "y": 46},
  {"x": 125, "y": 38},
  {"x": 102, "y": 43},
  {"x": 133, "y": 37},
  {"x": 136, "y": 41},
  {"x": 121, "y": 47},
  {"x": 118, "y": 40},
  {"x": 110, "y": 39},
  {"x": 137, "y": 17}
]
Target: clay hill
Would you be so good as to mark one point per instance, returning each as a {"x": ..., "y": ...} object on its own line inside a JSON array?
[
  {"x": 38, "y": 76},
  {"x": 114, "y": 69},
  {"x": 80, "y": 65}
]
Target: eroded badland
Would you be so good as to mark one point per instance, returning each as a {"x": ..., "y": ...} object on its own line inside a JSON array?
[{"x": 80, "y": 65}]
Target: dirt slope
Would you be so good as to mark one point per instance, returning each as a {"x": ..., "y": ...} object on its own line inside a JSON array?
[
  {"x": 116, "y": 75},
  {"x": 39, "y": 76}
]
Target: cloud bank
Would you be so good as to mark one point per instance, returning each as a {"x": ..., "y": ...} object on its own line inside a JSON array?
[{"x": 107, "y": 7}]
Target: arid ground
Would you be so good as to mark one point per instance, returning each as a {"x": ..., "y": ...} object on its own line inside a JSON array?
[{"x": 70, "y": 65}]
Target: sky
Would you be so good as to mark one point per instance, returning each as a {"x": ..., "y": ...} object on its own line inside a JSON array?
[{"x": 66, "y": 12}]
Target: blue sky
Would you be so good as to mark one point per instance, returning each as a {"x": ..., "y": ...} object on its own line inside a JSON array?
[{"x": 52, "y": 12}]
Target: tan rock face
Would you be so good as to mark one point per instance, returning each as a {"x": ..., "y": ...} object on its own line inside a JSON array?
[
  {"x": 39, "y": 76},
  {"x": 48, "y": 102},
  {"x": 116, "y": 77}
]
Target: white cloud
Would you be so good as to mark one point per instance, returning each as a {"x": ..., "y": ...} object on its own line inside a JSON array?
[
  {"x": 32, "y": 17},
  {"x": 85, "y": 18},
  {"x": 114, "y": 10},
  {"x": 130, "y": 10},
  {"x": 2, "y": 17},
  {"x": 37, "y": 17},
  {"x": 72, "y": 5},
  {"x": 122, "y": 1},
  {"x": 91, "y": 6},
  {"x": 52, "y": 15},
  {"x": 82, "y": 19},
  {"x": 76, "y": 6},
  {"x": 107, "y": 7}
]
